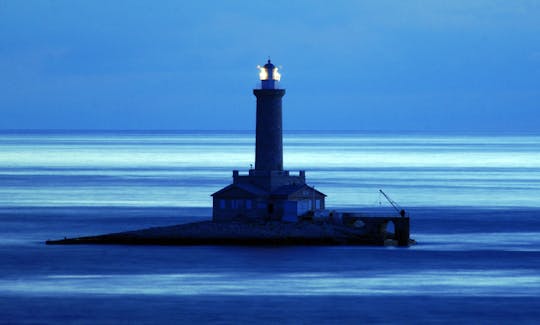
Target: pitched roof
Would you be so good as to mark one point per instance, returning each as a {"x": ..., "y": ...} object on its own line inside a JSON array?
[
  {"x": 291, "y": 189},
  {"x": 249, "y": 188}
]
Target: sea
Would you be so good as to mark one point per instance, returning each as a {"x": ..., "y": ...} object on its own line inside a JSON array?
[{"x": 473, "y": 200}]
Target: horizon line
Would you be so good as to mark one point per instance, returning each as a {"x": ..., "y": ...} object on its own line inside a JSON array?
[{"x": 92, "y": 130}]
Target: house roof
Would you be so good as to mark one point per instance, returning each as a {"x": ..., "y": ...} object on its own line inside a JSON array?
[
  {"x": 288, "y": 190},
  {"x": 249, "y": 188}
]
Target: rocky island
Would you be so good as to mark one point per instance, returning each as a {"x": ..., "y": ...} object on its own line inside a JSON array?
[{"x": 371, "y": 231}]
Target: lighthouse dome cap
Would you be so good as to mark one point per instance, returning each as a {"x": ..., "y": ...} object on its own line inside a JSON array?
[{"x": 269, "y": 66}]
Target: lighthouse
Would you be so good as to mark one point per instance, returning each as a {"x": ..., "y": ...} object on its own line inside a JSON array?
[{"x": 268, "y": 191}]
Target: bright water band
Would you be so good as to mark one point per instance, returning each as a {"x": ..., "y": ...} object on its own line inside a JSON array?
[{"x": 182, "y": 169}]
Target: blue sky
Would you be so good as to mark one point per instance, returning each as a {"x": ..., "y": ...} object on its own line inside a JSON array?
[{"x": 346, "y": 65}]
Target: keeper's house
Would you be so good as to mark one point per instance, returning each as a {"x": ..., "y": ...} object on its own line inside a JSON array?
[{"x": 287, "y": 201}]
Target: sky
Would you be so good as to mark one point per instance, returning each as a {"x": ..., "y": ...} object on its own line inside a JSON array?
[{"x": 346, "y": 65}]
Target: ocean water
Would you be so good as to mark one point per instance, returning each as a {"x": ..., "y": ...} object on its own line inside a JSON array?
[{"x": 474, "y": 202}]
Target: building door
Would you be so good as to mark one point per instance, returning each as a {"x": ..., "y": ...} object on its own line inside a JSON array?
[{"x": 270, "y": 208}]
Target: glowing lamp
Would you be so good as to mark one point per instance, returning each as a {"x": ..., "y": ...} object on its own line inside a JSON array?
[{"x": 269, "y": 76}]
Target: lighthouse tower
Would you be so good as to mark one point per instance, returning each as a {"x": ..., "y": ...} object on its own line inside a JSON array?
[
  {"x": 269, "y": 137},
  {"x": 268, "y": 191}
]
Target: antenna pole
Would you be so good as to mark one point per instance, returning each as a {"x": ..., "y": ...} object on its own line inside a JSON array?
[{"x": 394, "y": 204}]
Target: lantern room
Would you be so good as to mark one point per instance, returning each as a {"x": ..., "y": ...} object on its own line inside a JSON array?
[{"x": 269, "y": 76}]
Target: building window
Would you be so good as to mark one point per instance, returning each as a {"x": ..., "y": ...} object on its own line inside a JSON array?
[
  {"x": 248, "y": 204},
  {"x": 317, "y": 204},
  {"x": 236, "y": 204},
  {"x": 222, "y": 204},
  {"x": 261, "y": 205}
]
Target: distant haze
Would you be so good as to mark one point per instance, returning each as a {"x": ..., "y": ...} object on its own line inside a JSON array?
[{"x": 353, "y": 65}]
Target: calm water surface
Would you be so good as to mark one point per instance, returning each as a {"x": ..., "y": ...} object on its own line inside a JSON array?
[{"x": 473, "y": 199}]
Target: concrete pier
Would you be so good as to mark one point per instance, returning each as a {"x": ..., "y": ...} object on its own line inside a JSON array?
[{"x": 378, "y": 225}]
